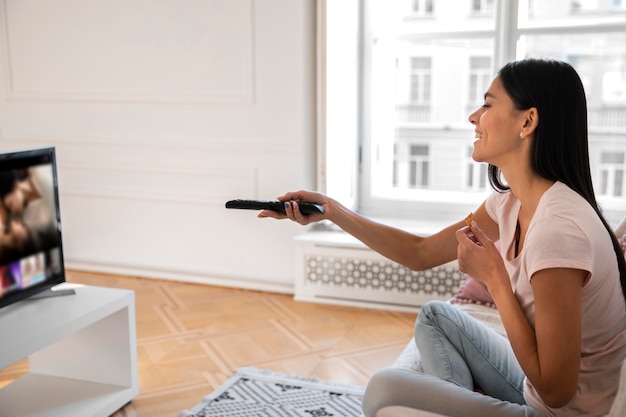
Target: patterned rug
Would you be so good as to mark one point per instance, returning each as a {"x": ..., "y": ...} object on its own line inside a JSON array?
[{"x": 257, "y": 392}]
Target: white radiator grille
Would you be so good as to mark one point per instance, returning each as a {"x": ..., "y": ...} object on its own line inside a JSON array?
[
  {"x": 348, "y": 273},
  {"x": 381, "y": 276}
]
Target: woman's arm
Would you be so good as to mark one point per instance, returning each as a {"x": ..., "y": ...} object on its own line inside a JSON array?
[
  {"x": 414, "y": 252},
  {"x": 550, "y": 353},
  {"x": 554, "y": 365}
]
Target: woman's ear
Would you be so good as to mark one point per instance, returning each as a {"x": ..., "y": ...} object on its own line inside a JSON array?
[{"x": 531, "y": 121}]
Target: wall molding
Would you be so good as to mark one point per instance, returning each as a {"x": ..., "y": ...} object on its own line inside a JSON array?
[
  {"x": 219, "y": 279},
  {"x": 242, "y": 92}
]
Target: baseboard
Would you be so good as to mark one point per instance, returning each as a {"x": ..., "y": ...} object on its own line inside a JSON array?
[{"x": 230, "y": 281}]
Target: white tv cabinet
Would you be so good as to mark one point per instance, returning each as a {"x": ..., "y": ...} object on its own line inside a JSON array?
[{"x": 81, "y": 349}]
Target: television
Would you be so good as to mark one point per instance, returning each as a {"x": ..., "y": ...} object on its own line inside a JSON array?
[{"x": 31, "y": 250}]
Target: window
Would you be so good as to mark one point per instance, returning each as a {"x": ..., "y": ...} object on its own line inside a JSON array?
[
  {"x": 422, "y": 7},
  {"x": 423, "y": 66},
  {"x": 484, "y": 7},
  {"x": 410, "y": 168},
  {"x": 611, "y": 182},
  {"x": 413, "y": 89},
  {"x": 420, "y": 80},
  {"x": 476, "y": 173},
  {"x": 480, "y": 75}
]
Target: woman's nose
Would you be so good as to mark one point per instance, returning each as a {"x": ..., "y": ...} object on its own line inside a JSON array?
[{"x": 473, "y": 117}]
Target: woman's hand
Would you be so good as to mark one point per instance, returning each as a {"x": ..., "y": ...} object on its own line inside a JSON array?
[
  {"x": 479, "y": 257},
  {"x": 292, "y": 211}
]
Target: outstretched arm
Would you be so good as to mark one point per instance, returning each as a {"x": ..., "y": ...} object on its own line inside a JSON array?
[{"x": 412, "y": 251}]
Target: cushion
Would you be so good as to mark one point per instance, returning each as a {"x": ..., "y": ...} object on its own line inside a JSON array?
[{"x": 472, "y": 291}]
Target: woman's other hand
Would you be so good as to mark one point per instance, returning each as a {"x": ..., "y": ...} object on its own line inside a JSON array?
[{"x": 478, "y": 256}]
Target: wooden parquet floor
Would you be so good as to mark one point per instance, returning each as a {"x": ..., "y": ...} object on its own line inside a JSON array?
[{"x": 191, "y": 338}]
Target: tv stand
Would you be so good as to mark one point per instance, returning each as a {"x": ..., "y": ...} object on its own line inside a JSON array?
[{"x": 82, "y": 353}]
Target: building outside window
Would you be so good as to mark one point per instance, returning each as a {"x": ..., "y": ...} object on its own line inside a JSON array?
[{"x": 423, "y": 77}]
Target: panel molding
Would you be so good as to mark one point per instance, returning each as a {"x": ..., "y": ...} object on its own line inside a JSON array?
[
  {"x": 237, "y": 146},
  {"x": 148, "y": 174},
  {"x": 242, "y": 92}
]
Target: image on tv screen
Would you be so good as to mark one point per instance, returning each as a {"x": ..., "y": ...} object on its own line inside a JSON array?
[{"x": 30, "y": 246}]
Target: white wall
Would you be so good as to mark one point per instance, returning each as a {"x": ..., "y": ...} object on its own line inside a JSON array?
[{"x": 161, "y": 110}]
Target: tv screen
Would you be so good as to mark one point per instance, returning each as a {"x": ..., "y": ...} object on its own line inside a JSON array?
[{"x": 31, "y": 252}]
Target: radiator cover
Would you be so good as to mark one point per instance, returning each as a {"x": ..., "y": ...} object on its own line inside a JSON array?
[{"x": 334, "y": 268}]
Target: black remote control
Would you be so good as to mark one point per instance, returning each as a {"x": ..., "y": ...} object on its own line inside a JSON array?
[{"x": 305, "y": 208}]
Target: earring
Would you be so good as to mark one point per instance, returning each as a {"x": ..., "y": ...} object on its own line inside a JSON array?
[{"x": 521, "y": 134}]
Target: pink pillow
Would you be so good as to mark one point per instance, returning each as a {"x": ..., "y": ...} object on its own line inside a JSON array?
[{"x": 473, "y": 291}]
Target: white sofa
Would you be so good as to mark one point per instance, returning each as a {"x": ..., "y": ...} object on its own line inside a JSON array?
[{"x": 410, "y": 356}]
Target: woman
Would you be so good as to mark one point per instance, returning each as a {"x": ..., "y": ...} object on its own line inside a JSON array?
[{"x": 558, "y": 280}]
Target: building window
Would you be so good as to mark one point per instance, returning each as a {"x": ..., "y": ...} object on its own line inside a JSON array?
[
  {"x": 619, "y": 5},
  {"x": 476, "y": 179},
  {"x": 422, "y": 7},
  {"x": 584, "y": 5},
  {"x": 611, "y": 182},
  {"x": 411, "y": 165},
  {"x": 420, "y": 80},
  {"x": 413, "y": 89},
  {"x": 483, "y": 7},
  {"x": 480, "y": 76}
]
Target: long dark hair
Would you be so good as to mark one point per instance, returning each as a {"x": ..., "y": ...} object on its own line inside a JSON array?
[{"x": 560, "y": 149}]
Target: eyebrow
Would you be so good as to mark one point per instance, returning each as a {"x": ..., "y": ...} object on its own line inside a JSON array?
[{"x": 488, "y": 94}]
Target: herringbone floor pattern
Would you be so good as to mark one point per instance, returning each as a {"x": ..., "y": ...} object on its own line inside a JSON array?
[{"x": 191, "y": 338}]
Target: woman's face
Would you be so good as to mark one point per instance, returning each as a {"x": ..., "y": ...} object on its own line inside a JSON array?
[{"x": 498, "y": 125}]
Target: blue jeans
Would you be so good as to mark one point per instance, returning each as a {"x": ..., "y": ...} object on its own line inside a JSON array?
[{"x": 459, "y": 355}]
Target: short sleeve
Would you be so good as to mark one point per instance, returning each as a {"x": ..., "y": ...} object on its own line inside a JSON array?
[{"x": 557, "y": 243}]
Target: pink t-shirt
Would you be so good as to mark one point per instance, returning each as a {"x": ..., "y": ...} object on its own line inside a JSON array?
[{"x": 565, "y": 232}]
